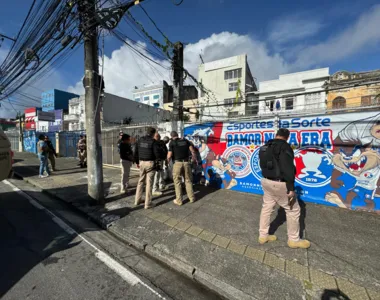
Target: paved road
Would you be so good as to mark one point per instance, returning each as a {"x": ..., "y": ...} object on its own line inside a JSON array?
[{"x": 43, "y": 257}]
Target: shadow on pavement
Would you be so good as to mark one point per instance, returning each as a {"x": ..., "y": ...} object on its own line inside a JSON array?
[
  {"x": 334, "y": 295},
  {"x": 29, "y": 238}
]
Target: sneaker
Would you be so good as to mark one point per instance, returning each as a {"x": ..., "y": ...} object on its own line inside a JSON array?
[
  {"x": 157, "y": 194},
  {"x": 303, "y": 244},
  {"x": 192, "y": 201},
  {"x": 177, "y": 202},
  {"x": 163, "y": 188},
  {"x": 269, "y": 238},
  {"x": 151, "y": 205},
  {"x": 43, "y": 176},
  {"x": 123, "y": 191}
]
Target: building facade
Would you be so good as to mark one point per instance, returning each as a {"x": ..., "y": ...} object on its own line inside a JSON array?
[
  {"x": 115, "y": 110},
  {"x": 294, "y": 93},
  {"x": 158, "y": 94},
  {"x": 191, "y": 111},
  {"x": 353, "y": 90},
  {"x": 56, "y": 99},
  {"x": 225, "y": 83}
]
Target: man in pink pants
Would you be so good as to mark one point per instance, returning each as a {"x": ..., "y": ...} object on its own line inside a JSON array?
[{"x": 277, "y": 165}]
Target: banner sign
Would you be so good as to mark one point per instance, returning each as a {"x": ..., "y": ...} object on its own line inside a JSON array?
[{"x": 337, "y": 157}]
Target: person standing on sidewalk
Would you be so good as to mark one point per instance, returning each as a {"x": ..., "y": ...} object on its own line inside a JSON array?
[
  {"x": 179, "y": 151},
  {"x": 43, "y": 152},
  {"x": 145, "y": 155},
  {"x": 119, "y": 141},
  {"x": 159, "y": 183},
  {"x": 52, "y": 153},
  {"x": 82, "y": 151},
  {"x": 126, "y": 161},
  {"x": 277, "y": 165}
]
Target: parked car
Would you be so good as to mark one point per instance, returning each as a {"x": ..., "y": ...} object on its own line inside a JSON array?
[{"x": 6, "y": 157}]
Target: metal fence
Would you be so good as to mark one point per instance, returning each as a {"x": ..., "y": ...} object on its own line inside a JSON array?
[
  {"x": 110, "y": 137},
  {"x": 14, "y": 138},
  {"x": 68, "y": 141}
]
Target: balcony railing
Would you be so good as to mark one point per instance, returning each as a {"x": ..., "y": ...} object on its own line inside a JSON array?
[{"x": 71, "y": 117}]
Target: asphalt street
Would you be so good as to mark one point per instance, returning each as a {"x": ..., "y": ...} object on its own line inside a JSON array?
[{"x": 49, "y": 252}]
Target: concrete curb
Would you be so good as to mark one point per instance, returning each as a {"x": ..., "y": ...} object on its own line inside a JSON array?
[{"x": 207, "y": 281}]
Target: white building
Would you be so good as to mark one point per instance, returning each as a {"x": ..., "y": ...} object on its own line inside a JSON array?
[
  {"x": 153, "y": 95},
  {"x": 114, "y": 110},
  {"x": 222, "y": 79},
  {"x": 294, "y": 93}
]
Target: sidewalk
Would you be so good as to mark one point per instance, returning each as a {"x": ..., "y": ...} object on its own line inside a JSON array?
[{"x": 214, "y": 240}]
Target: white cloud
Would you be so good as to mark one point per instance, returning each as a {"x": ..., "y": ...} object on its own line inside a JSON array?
[
  {"x": 359, "y": 37},
  {"x": 125, "y": 69},
  {"x": 293, "y": 28}
]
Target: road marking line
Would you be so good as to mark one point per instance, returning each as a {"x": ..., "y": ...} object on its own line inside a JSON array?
[{"x": 118, "y": 268}]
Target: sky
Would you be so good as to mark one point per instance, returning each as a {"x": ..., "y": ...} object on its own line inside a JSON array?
[{"x": 278, "y": 37}]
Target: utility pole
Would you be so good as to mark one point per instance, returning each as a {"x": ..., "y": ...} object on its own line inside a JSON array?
[
  {"x": 178, "y": 84},
  {"x": 92, "y": 85},
  {"x": 21, "y": 134}
]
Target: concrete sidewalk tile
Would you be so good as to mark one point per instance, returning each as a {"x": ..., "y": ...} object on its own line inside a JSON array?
[
  {"x": 351, "y": 290},
  {"x": 255, "y": 254},
  {"x": 374, "y": 295},
  {"x": 163, "y": 218},
  {"x": 155, "y": 215},
  {"x": 323, "y": 280},
  {"x": 297, "y": 270},
  {"x": 194, "y": 230},
  {"x": 182, "y": 226},
  {"x": 237, "y": 248},
  {"x": 221, "y": 241},
  {"x": 207, "y": 235},
  {"x": 172, "y": 222},
  {"x": 274, "y": 261},
  {"x": 147, "y": 212}
]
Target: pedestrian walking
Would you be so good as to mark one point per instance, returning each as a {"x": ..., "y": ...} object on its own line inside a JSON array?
[
  {"x": 52, "y": 153},
  {"x": 126, "y": 161},
  {"x": 145, "y": 155},
  {"x": 43, "y": 153},
  {"x": 159, "y": 183},
  {"x": 167, "y": 169},
  {"x": 82, "y": 151},
  {"x": 179, "y": 152},
  {"x": 277, "y": 165}
]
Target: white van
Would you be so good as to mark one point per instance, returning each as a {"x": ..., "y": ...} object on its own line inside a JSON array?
[{"x": 6, "y": 156}]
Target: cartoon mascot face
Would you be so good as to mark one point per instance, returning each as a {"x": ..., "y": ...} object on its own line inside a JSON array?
[
  {"x": 357, "y": 162},
  {"x": 375, "y": 130}
]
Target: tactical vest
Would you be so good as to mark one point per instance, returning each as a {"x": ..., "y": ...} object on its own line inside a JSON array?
[
  {"x": 181, "y": 149},
  {"x": 145, "y": 149}
]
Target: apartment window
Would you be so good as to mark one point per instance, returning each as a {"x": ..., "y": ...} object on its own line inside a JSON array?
[
  {"x": 252, "y": 107},
  {"x": 233, "y": 114},
  {"x": 146, "y": 98},
  {"x": 156, "y": 97},
  {"x": 289, "y": 103},
  {"x": 230, "y": 102},
  {"x": 232, "y": 86},
  {"x": 339, "y": 102},
  {"x": 137, "y": 99},
  {"x": 232, "y": 74}
]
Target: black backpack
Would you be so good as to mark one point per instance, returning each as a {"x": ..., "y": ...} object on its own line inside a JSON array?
[
  {"x": 162, "y": 150},
  {"x": 269, "y": 161}
]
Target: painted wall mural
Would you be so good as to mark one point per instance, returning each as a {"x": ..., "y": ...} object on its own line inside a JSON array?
[{"x": 337, "y": 157}]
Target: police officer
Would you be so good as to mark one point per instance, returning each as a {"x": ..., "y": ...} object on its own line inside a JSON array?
[
  {"x": 277, "y": 165},
  {"x": 82, "y": 151},
  {"x": 179, "y": 151},
  {"x": 146, "y": 153}
]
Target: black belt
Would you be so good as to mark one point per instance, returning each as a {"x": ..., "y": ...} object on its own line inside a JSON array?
[{"x": 278, "y": 180}]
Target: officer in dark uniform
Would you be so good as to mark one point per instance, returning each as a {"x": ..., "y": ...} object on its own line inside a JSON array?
[
  {"x": 179, "y": 151},
  {"x": 146, "y": 153}
]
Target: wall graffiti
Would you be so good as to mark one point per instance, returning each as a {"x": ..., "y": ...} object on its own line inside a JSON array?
[{"x": 337, "y": 157}]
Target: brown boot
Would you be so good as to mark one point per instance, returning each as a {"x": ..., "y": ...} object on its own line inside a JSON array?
[
  {"x": 269, "y": 238},
  {"x": 303, "y": 244}
]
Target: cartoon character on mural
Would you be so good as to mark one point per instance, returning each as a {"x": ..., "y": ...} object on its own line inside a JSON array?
[{"x": 357, "y": 154}]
